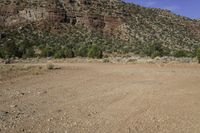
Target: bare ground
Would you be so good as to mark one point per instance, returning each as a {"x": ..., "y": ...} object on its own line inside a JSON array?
[{"x": 101, "y": 98}]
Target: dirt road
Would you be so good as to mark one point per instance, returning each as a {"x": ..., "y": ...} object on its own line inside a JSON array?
[{"x": 103, "y": 98}]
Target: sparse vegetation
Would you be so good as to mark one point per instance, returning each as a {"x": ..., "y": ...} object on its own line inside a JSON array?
[
  {"x": 13, "y": 71},
  {"x": 50, "y": 66},
  {"x": 78, "y": 44}
]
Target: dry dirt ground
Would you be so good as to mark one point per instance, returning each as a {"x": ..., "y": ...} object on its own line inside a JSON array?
[{"x": 101, "y": 98}]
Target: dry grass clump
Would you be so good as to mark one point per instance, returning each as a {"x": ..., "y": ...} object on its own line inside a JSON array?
[
  {"x": 50, "y": 66},
  {"x": 16, "y": 70}
]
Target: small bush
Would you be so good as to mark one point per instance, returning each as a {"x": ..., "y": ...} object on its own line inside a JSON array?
[
  {"x": 180, "y": 53},
  {"x": 153, "y": 50},
  {"x": 10, "y": 50},
  {"x": 68, "y": 53},
  {"x": 95, "y": 52},
  {"x": 198, "y": 55},
  {"x": 106, "y": 60},
  {"x": 156, "y": 54},
  {"x": 50, "y": 66},
  {"x": 47, "y": 52},
  {"x": 59, "y": 54},
  {"x": 29, "y": 53},
  {"x": 1, "y": 53},
  {"x": 83, "y": 51}
]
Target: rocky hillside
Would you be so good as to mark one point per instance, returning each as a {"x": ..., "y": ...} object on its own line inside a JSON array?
[{"x": 114, "y": 26}]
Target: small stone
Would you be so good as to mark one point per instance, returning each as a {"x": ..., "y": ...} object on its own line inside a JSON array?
[
  {"x": 3, "y": 114},
  {"x": 13, "y": 106},
  {"x": 50, "y": 119},
  {"x": 59, "y": 110},
  {"x": 42, "y": 92},
  {"x": 22, "y": 94},
  {"x": 74, "y": 123}
]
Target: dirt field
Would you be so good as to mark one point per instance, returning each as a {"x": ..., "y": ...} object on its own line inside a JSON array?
[{"x": 102, "y": 98}]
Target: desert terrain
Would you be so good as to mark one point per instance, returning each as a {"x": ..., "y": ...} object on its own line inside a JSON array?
[{"x": 99, "y": 98}]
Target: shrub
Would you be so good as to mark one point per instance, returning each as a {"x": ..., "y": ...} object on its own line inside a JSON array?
[
  {"x": 25, "y": 48},
  {"x": 47, "y": 52},
  {"x": 153, "y": 50},
  {"x": 198, "y": 55},
  {"x": 59, "y": 54},
  {"x": 156, "y": 54},
  {"x": 29, "y": 52},
  {"x": 1, "y": 53},
  {"x": 63, "y": 53},
  {"x": 83, "y": 51},
  {"x": 10, "y": 50},
  {"x": 68, "y": 53},
  {"x": 95, "y": 52},
  {"x": 180, "y": 53},
  {"x": 50, "y": 66}
]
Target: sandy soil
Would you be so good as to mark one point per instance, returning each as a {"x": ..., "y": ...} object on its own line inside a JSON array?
[{"x": 103, "y": 98}]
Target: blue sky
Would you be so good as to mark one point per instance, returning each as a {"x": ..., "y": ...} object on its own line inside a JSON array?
[{"x": 188, "y": 8}]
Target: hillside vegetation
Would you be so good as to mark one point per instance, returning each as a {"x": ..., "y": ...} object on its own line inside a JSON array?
[{"x": 69, "y": 28}]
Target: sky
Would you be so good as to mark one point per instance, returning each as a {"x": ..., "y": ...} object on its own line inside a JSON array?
[{"x": 188, "y": 8}]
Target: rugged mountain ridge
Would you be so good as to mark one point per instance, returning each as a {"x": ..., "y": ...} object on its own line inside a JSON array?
[{"x": 123, "y": 27}]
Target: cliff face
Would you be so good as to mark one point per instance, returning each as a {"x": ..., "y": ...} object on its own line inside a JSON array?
[
  {"x": 77, "y": 13},
  {"x": 130, "y": 23}
]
